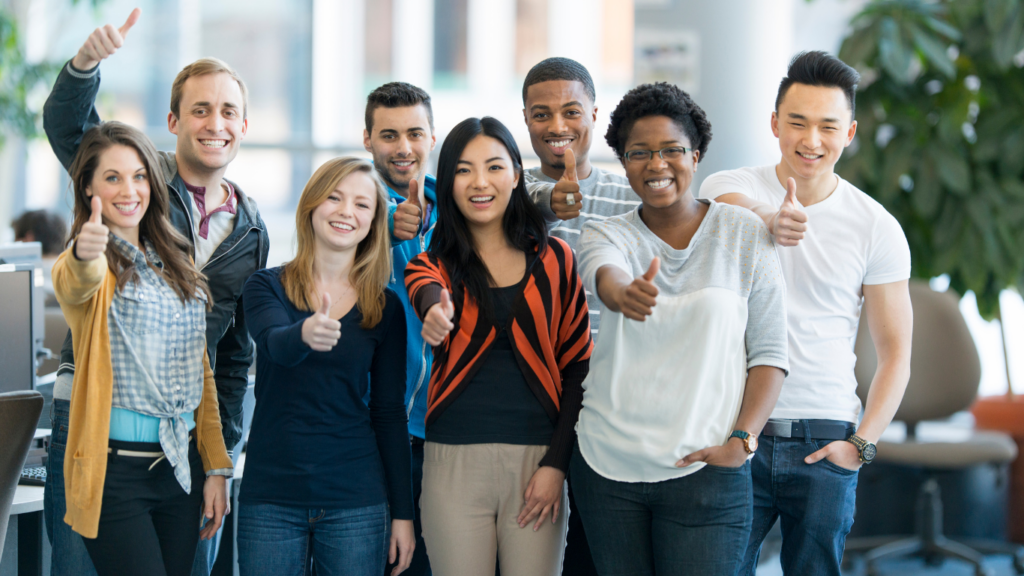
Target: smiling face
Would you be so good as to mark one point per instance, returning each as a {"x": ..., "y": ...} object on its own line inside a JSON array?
[
  {"x": 122, "y": 184},
  {"x": 813, "y": 126},
  {"x": 484, "y": 179},
  {"x": 210, "y": 123},
  {"x": 658, "y": 182},
  {"x": 400, "y": 143},
  {"x": 344, "y": 219},
  {"x": 559, "y": 116}
]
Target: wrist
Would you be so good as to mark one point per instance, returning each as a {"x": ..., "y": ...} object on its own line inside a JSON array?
[{"x": 81, "y": 64}]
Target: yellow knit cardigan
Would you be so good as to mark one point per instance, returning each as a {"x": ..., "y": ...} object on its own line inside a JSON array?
[{"x": 85, "y": 291}]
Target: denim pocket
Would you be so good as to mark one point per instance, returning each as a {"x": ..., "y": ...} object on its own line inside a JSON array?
[
  {"x": 819, "y": 444},
  {"x": 59, "y": 438}
]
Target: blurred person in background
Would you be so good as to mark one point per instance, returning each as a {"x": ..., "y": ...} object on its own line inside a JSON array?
[
  {"x": 48, "y": 229},
  {"x": 227, "y": 240},
  {"x": 400, "y": 135},
  {"x": 840, "y": 252}
]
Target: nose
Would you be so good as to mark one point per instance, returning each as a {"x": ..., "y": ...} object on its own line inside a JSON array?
[
  {"x": 656, "y": 162},
  {"x": 813, "y": 139},
  {"x": 404, "y": 149},
  {"x": 558, "y": 124},
  {"x": 215, "y": 123},
  {"x": 480, "y": 181}
]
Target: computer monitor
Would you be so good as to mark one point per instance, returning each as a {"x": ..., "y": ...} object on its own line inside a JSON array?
[
  {"x": 17, "y": 354},
  {"x": 31, "y": 254}
]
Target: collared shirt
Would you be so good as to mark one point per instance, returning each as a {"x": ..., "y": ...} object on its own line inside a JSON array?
[
  {"x": 211, "y": 227},
  {"x": 156, "y": 348}
]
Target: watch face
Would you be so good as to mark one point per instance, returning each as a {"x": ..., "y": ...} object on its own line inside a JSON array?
[
  {"x": 868, "y": 454},
  {"x": 751, "y": 443}
]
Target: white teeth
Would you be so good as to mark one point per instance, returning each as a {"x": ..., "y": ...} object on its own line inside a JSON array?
[
  {"x": 403, "y": 163},
  {"x": 481, "y": 199},
  {"x": 342, "y": 226},
  {"x": 213, "y": 143},
  {"x": 126, "y": 208},
  {"x": 810, "y": 156},
  {"x": 559, "y": 143},
  {"x": 658, "y": 184}
]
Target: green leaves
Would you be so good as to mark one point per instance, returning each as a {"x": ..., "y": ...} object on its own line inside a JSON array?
[
  {"x": 17, "y": 80},
  {"x": 959, "y": 119}
]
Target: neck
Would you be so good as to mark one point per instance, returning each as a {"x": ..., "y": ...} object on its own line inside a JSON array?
[
  {"x": 666, "y": 219},
  {"x": 808, "y": 190},
  {"x": 200, "y": 177},
  {"x": 330, "y": 266},
  {"x": 489, "y": 237},
  {"x": 583, "y": 169},
  {"x": 130, "y": 235}
]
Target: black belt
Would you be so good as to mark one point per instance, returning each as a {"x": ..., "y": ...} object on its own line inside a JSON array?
[{"x": 809, "y": 429}]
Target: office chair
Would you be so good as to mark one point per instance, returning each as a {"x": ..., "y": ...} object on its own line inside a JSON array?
[
  {"x": 19, "y": 412},
  {"x": 944, "y": 376}
]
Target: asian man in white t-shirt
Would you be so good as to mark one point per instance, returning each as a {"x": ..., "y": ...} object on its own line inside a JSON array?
[{"x": 839, "y": 250}]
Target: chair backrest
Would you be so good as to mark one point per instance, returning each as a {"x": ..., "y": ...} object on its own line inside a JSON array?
[
  {"x": 945, "y": 369},
  {"x": 56, "y": 331},
  {"x": 19, "y": 412}
]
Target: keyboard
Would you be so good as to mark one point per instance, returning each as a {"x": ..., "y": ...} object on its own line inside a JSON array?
[{"x": 33, "y": 476}]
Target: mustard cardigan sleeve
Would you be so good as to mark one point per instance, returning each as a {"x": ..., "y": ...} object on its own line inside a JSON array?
[
  {"x": 209, "y": 438},
  {"x": 76, "y": 281}
]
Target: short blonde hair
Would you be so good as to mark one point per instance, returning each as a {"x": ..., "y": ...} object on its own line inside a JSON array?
[{"x": 202, "y": 67}]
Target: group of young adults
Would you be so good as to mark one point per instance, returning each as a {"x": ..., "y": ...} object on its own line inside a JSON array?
[{"x": 430, "y": 366}]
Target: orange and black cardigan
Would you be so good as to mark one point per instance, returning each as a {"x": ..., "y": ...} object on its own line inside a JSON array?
[{"x": 550, "y": 331}]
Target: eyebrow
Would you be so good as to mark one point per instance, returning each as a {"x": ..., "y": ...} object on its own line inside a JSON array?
[
  {"x": 664, "y": 143},
  {"x": 205, "y": 104},
  {"x": 461, "y": 161},
  {"x": 796, "y": 116},
  {"x": 393, "y": 131}
]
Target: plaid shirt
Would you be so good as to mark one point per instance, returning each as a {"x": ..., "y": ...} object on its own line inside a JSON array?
[{"x": 156, "y": 348}]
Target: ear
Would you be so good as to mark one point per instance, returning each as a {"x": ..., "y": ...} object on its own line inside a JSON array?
[
  {"x": 851, "y": 133},
  {"x": 696, "y": 159},
  {"x": 775, "y": 124},
  {"x": 433, "y": 140},
  {"x": 172, "y": 123},
  {"x": 366, "y": 141},
  {"x": 245, "y": 127},
  {"x": 595, "y": 114},
  {"x": 526, "y": 119}
]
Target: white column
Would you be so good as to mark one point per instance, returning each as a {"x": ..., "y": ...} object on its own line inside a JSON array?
[
  {"x": 338, "y": 68},
  {"x": 491, "y": 57},
  {"x": 575, "y": 31},
  {"x": 412, "y": 52},
  {"x": 189, "y": 32}
]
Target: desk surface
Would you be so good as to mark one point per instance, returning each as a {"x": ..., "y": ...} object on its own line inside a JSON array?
[{"x": 27, "y": 499}]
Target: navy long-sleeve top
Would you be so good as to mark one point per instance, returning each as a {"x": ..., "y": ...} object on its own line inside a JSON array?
[{"x": 314, "y": 443}]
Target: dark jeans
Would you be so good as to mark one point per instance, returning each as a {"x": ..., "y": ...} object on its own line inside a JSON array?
[
  {"x": 697, "y": 524},
  {"x": 281, "y": 540},
  {"x": 420, "y": 564},
  {"x": 578, "y": 561},
  {"x": 148, "y": 523},
  {"x": 814, "y": 501},
  {"x": 68, "y": 556}
]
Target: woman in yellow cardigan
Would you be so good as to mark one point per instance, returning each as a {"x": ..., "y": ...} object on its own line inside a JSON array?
[{"x": 146, "y": 454}]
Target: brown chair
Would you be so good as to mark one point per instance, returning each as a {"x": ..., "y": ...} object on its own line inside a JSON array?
[
  {"x": 19, "y": 412},
  {"x": 944, "y": 378},
  {"x": 56, "y": 331}
]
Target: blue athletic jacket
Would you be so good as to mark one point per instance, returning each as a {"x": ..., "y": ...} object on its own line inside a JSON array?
[{"x": 418, "y": 355}]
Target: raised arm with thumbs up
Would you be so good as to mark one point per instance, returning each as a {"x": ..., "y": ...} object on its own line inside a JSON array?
[
  {"x": 92, "y": 239},
  {"x": 407, "y": 216},
  {"x": 566, "y": 199},
  {"x": 438, "y": 321},
  {"x": 789, "y": 224},
  {"x": 103, "y": 42},
  {"x": 635, "y": 298},
  {"x": 319, "y": 331}
]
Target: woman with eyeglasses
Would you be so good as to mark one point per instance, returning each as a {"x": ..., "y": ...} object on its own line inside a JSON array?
[{"x": 689, "y": 360}]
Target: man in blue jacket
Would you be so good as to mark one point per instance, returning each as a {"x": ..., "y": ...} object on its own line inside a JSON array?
[{"x": 400, "y": 135}]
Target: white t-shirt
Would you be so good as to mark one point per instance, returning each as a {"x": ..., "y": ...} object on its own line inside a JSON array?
[{"x": 852, "y": 241}]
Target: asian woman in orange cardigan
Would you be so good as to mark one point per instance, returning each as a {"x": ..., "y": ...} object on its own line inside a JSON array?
[
  {"x": 505, "y": 309},
  {"x": 146, "y": 454}
]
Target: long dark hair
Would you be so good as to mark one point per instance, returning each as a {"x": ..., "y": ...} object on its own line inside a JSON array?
[
  {"x": 452, "y": 242},
  {"x": 173, "y": 248}
]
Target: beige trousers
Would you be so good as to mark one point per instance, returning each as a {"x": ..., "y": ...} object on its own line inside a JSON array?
[{"x": 472, "y": 495}]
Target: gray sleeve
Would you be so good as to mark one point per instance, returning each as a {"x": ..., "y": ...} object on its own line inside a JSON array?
[
  {"x": 766, "y": 336},
  {"x": 540, "y": 193},
  {"x": 595, "y": 250}
]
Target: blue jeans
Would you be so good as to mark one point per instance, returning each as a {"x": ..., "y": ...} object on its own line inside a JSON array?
[
  {"x": 420, "y": 564},
  {"x": 206, "y": 551},
  {"x": 815, "y": 502},
  {"x": 68, "y": 555},
  {"x": 697, "y": 524},
  {"x": 281, "y": 540}
]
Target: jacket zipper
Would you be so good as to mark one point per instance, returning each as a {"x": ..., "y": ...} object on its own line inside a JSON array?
[
  {"x": 228, "y": 251},
  {"x": 423, "y": 347}
]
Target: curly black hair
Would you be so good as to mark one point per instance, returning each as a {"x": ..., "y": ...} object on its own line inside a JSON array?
[{"x": 660, "y": 99}]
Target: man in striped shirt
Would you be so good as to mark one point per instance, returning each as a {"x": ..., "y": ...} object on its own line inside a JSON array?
[{"x": 559, "y": 109}]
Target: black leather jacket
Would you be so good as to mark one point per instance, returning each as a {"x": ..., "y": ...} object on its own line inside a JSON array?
[{"x": 70, "y": 110}]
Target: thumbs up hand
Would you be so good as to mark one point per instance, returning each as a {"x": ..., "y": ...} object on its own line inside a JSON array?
[
  {"x": 92, "y": 238},
  {"x": 319, "y": 331},
  {"x": 790, "y": 223},
  {"x": 566, "y": 199},
  {"x": 636, "y": 300},
  {"x": 438, "y": 321},
  {"x": 407, "y": 215},
  {"x": 103, "y": 42}
]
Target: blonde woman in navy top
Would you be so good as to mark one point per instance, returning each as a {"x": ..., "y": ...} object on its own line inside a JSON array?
[{"x": 327, "y": 474}]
